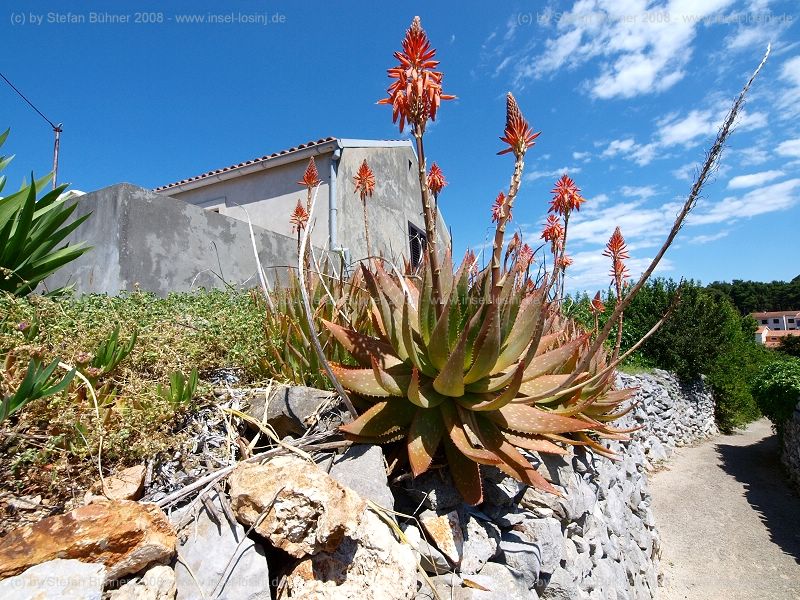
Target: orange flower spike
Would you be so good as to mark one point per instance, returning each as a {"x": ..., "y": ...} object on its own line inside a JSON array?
[
  {"x": 518, "y": 134},
  {"x": 564, "y": 261},
  {"x": 311, "y": 176},
  {"x": 416, "y": 92},
  {"x": 597, "y": 304},
  {"x": 497, "y": 208},
  {"x": 617, "y": 251},
  {"x": 436, "y": 180},
  {"x": 553, "y": 230},
  {"x": 365, "y": 181},
  {"x": 299, "y": 218},
  {"x": 566, "y": 196},
  {"x": 525, "y": 258}
]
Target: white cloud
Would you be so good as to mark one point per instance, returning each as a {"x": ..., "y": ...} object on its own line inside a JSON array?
[
  {"x": 554, "y": 174},
  {"x": 753, "y": 156},
  {"x": 772, "y": 198},
  {"x": 619, "y": 147},
  {"x": 788, "y": 99},
  {"x": 584, "y": 156},
  {"x": 754, "y": 179},
  {"x": 789, "y": 148},
  {"x": 710, "y": 237},
  {"x": 644, "y": 45},
  {"x": 643, "y": 192},
  {"x": 686, "y": 172}
]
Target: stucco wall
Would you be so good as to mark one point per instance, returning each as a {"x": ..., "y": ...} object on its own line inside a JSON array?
[
  {"x": 161, "y": 244},
  {"x": 269, "y": 196},
  {"x": 396, "y": 202}
]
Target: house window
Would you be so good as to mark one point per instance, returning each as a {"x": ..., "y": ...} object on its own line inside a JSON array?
[
  {"x": 417, "y": 241},
  {"x": 791, "y": 320},
  {"x": 764, "y": 321},
  {"x": 776, "y": 320}
]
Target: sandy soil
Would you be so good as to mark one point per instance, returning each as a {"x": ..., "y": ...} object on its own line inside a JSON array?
[{"x": 730, "y": 524}]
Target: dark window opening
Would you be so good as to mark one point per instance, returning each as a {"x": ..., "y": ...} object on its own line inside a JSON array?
[
  {"x": 215, "y": 210},
  {"x": 791, "y": 320},
  {"x": 764, "y": 321},
  {"x": 776, "y": 320},
  {"x": 417, "y": 241}
]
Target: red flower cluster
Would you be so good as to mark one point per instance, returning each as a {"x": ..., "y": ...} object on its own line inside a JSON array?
[
  {"x": 597, "y": 305},
  {"x": 518, "y": 134},
  {"x": 436, "y": 180},
  {"x": 564, "y": 261},
  {"x": 566, "y": 196},
  {"x": 311, "y": 176},
  {"x": 497, "y": 208},
  {"x": 553, "y": 231},
  {"x": 617, "y": 251},
  {"x": 525, "y": 257},
  {"x": 299, "y": 218},
  {"x": 365, "y": 181},
  {"x": 416, "y": 93}
]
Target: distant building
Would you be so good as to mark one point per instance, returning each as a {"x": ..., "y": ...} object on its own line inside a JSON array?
[
  {"x": 267, "y": 189},
  {"x": 772, "y": 339},
  {"x": 786, "y": 320}
]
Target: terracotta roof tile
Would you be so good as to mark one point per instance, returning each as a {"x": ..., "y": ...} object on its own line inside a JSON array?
[{"x": 246, "y": 163}]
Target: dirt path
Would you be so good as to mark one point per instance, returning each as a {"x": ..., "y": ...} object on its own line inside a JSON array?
[{"x": 730, "y": 525}]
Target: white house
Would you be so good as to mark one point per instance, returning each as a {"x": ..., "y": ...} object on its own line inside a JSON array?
[{"x": 778, "y": 320}]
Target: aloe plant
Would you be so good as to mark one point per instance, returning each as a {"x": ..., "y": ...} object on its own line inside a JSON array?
[
  {"x": 482, "y": 380},
  {"x": 109, "y": 354},
  {"x": 181, "y": 389},
  {"x": 31, "y": 231}
]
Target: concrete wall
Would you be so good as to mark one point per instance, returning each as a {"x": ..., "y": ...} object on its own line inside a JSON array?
[
  {"x": 161, "y": 244},
  {"x": 396, "y": 202},
  {"x": 269, "y": 196}
]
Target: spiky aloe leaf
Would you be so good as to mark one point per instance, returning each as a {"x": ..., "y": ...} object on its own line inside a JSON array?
[
  {"x": 466, "y": 474},
  {"x": 500, "y": 400},
  {"x": 458, "y": 436},
  {"x": 450, "y": 380},
  {"x": 360, "y": 381},
  {"x": 487, "y": 347},
  {"x": 439, "y": 346},
  {"x": 535, "y": 444},
  {"x": 529, "y": 419},
  {"x": 394, "y": 380},
  {"x": 542, "y": 388},
  {"x": 363, "y": 347},
  {"x": 512, "y": 462},
  {"x": 522, "y": 331},
  {"x": 382, "y": 419},
  {"x": 424, "y": 397},
  {"x": 424, "y": 437},
  {"x": 549, "y": 361}
]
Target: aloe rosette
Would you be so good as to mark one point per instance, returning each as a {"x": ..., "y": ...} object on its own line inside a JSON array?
[{"x": 483, "y": 379}]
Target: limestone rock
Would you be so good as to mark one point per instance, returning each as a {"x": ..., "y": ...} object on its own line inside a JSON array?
[
  {"x": 157, "y": 584},
  {"x": 299, "y": 508},
  {"x": 128, "y": 484},
  {"x": 480, "y": 545},
  {"x": 444, "y": 532},
  {"x": 222, "y": 560},
  {"x": 290, "y": 409},
  {"x": 436, "y": 491},
  {"x": 57, "y": 579},
  {"x": 498, "y": 581},
  {"x": 361, "y": 468},
  {"x": 370, "y": 565},
  {"x": 430, "y": 558},
  {"x": 124, "y": 536}
]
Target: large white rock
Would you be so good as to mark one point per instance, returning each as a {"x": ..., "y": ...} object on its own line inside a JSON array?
[{"x": 57, "y": 579}]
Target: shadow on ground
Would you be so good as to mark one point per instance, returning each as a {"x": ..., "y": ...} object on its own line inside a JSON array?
[{"x": 759, "y": 468}]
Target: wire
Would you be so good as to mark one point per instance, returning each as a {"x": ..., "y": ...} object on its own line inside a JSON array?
[{"x": 21, "y": 95}]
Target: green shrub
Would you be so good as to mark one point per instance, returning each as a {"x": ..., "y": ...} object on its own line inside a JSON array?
[{"x": 777, "y": 390}]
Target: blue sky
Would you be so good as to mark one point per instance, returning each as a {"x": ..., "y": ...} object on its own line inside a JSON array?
[{"x": 627, "y": 94}]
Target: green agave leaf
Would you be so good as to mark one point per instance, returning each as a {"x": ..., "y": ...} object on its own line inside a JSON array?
[
  {"x": 529, "y": 419},
  {"x": 382, "y": 419},
  {"x": 438, "y": 346},
  {"x": 424, "y": 437},
  {"x": 466, "y": 474},
  {"x": 491, "y": 384},
  {"x": 423, "y": 396},
  {"x": 417, "y": 357},
  {"x": 360, "y": 381},
  {"x": 363, "y": 348}
]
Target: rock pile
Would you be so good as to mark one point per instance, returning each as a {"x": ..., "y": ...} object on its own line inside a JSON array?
[{"x": 289, "y": 528}]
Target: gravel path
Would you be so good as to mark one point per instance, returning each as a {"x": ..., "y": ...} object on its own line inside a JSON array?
[{"x": 730, "y": 524}]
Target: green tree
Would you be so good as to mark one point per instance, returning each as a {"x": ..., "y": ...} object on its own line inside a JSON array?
[{"x": 790, "y": 345}]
